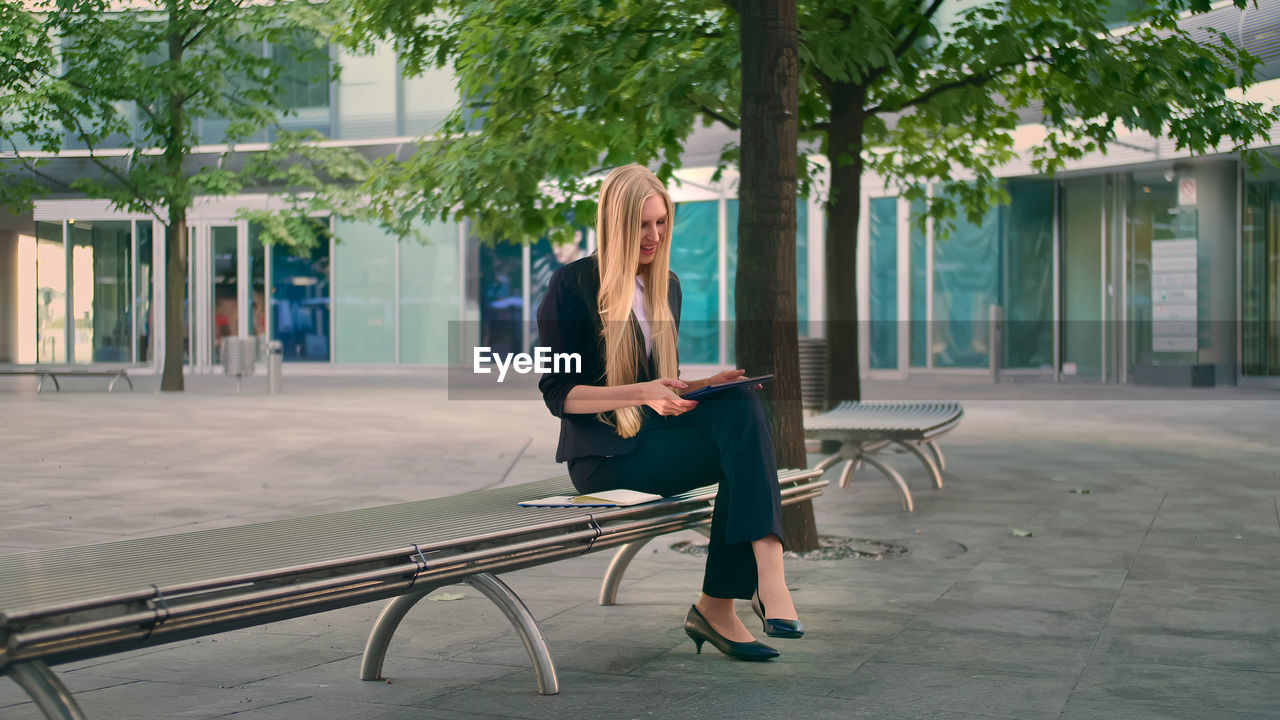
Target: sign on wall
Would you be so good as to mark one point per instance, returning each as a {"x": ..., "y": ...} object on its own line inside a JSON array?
[{"x": 1173, "y": 289}]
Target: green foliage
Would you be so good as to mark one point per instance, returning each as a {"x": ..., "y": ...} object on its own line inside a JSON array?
[
  {"x": 557, "y": 90},
  {"x": 132, "y": 89}
]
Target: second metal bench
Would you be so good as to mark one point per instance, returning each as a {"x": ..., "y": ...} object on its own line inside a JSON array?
[{"x": 864, "y": 428}]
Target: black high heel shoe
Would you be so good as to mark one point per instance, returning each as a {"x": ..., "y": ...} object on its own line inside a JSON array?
[
  {"x": 774, "y": 627},
  {"x": 700, "y": 631}
]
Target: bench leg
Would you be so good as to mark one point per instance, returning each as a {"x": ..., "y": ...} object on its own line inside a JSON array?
[
  {"x": 621, "y": 561},
  {"x": 50, "y": 695},
  {"x": 934, "y": 475},
  {"x": 937, "y": 454},
  {"x": 514, "y": 608},
  {"x": 904, "y": 493},
  {"x": 375, "y": 649},
  {"x": 116, "y": 378},
  {"x": 617, "y": 568}
]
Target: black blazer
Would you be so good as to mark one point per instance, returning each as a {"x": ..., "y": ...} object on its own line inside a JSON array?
[{"x": 569, "y": 322}]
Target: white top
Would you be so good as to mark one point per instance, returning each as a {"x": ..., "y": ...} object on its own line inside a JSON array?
[{"x": 642, "y": 315}]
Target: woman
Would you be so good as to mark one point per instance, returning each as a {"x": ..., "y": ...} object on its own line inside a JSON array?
[{"x": 624, "y": 425}]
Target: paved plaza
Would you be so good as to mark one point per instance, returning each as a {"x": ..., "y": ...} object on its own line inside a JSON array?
[{"x": 1149, "y": 586}]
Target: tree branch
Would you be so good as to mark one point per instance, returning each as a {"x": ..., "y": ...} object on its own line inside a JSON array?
[
  {"x": 122, "y": 179},
  {"x": 975, "y": 80},
  {"x": 192, "y": 40},
  {"x": 31, "y": 167},
  {"x": 914, "y": 35},
  {"x": 908, "y": 40},
  {"x": 717, "y": 117}
]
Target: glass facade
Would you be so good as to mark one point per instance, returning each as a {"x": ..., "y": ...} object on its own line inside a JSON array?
[
  {"x": 224, "y": 321},
  {"x": 883, "y": 222},
  {"x": 51, "y": 294},
  {"x": 695, "y": 259},
  {"x": 144, "y": 292},
  {"x": 101, "y": 266},
  {"x": 501, "y": 296},
  {"x": 364, "y": 293},
  {"x": 966, "y": 277},
  {"x": 1260, "y": 280},
  {"x": 919, "y": 283},
  {"x": 300, "y": 301},
  {"x": 380, "y": 300},
  {"x": 1027, "y": 233},
  {"x": 1084, "y": 244},
  {"x": 430, "y": 294}
]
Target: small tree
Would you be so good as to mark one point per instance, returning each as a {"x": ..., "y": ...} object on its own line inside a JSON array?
[{"x": 131, "y": 86}]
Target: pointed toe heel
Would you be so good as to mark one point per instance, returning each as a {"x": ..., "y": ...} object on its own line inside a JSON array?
[
  {"x": 776, "y": 627},
  {"x": 700, "y": 631}
]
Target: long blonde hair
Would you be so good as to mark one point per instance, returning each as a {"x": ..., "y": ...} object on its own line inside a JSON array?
[{"x": 622, "y": 198}]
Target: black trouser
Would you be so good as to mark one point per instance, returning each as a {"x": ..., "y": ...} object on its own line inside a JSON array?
[{"x": 725, "y": 439}]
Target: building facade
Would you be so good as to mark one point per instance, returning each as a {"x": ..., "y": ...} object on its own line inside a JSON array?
[{"x": 1139, "y": 266}]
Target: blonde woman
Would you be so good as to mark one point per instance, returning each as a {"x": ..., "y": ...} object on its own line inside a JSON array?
[{"x": 624, "y": 424}]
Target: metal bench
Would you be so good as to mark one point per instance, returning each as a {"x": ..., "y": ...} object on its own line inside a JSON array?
[
  {"x": 864, "y": 428},
  {"x": 73, "y": 603},
  {"x": 51, "y": 374}
]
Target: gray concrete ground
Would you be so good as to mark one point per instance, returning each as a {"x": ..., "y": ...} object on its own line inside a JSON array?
[{"x": 1154, "y": 595}]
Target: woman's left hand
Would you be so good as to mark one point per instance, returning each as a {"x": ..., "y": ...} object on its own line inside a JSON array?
[
  {"x": 729, "y": 376},
  {"x": 726, "y": 376}
]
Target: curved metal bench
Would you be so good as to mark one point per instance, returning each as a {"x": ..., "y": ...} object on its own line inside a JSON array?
[
  {"x": 864, "y": 428},
  {"x": 73, "y": 603},
  {"x": 49, "y": 374}
]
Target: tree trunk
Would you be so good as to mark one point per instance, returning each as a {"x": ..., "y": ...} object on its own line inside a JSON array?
[
  {"x": 175, "y": 297},
  {"x": 766, "y": 328},
  {"x": 844, "y": 154},
  {"x": 175, "y": 294}
]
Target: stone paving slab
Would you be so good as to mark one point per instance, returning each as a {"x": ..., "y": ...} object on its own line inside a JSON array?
[{"x": 1152, "y": 596}]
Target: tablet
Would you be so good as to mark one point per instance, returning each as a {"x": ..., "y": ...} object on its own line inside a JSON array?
[{"x": 710, "y": 389}]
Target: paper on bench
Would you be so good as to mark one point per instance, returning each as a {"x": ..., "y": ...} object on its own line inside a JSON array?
[{"x": 608, "y": 498}]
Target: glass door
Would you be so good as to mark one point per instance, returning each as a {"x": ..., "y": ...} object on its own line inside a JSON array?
[
  {"x": 218, "y": 291},
  {"x": 1087, "y": 288}
]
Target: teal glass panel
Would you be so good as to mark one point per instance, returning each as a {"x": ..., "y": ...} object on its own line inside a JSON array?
[
  {"x": 1260, "y": 280},
  {"x": 364, "y": 293},
  {"x": 884, "y": 283},
  {"x": 101, "y": 270},
  {"x": 966, "y": 265},
  {"x": 430, "y": 284},
  {"x": 144, "y": 291},
  {"x": 919, "y": 291},
  {"x": 300, "y": 289},
  {"x": 1082, "y": 272},
  {"x": 694, "y": 258},
  {"x": 1028, "y": 304}
]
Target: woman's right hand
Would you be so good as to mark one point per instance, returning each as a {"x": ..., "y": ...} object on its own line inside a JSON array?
[{"x": 657, "y": 394}]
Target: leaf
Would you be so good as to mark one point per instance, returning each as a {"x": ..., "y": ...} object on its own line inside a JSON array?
[
  {"x": 1020, "y": 533},
  {"x": 446, "y": 597}
]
